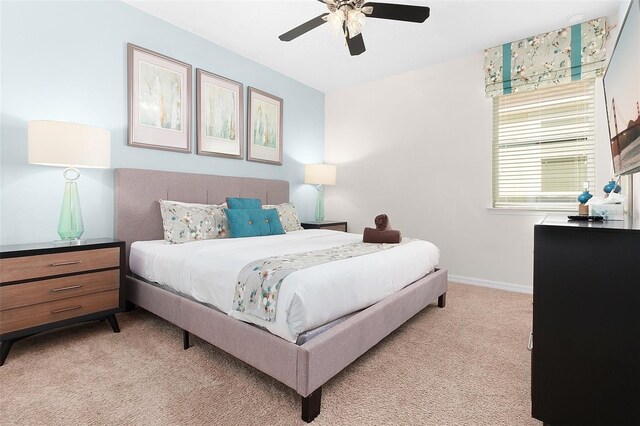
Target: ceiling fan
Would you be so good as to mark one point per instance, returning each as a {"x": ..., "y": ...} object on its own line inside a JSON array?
[{"x": 347, "y": 16}]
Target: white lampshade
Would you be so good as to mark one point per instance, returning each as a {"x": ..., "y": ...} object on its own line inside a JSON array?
[
  {"x": 58, "y": 143},
  {"x": 320, "y": 174}
]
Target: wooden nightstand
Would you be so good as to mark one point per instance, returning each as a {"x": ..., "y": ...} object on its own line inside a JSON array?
[
  {"x": 326, "y": 224},
  {"x": 43, "y": 286}
]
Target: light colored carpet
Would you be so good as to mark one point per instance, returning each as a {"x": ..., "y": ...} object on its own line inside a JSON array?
[{"x": 466, "y": 364}]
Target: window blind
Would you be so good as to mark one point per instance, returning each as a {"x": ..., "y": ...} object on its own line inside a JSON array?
[{"x": 544, "y": 146}]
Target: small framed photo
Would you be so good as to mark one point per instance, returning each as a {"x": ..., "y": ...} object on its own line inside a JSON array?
[
  {"x": 159, "y": 101},
  {"x": 264, "y": 127},
  {"x": 219, "y": 116}
]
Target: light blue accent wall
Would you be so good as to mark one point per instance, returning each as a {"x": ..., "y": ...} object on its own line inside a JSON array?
[{"x": 68, "y": 61}]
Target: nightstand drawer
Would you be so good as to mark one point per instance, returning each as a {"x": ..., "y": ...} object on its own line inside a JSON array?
[
  {"x": 44, "y": 313},
  {"x": 326, "y": 224},
  {"x": 29, "y": 267},
  {"x": 18, "y": 295}
]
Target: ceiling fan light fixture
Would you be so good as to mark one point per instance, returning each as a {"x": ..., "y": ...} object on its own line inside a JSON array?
[
  {"x": 336, "y": 23},
  {"x": 355, "y": 22}
]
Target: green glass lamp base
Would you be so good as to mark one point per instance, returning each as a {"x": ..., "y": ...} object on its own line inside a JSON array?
[
  {"x": 70, "y": 226},
  {"x": 320, "y": 204}
]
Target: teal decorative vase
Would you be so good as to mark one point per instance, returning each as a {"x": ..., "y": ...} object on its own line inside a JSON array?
[
  {"x": 584, "y": 197},
  {"x": 611, "y": 186}
]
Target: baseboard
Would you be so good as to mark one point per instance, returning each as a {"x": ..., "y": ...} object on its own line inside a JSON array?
[{"x": 518, "y": 288}]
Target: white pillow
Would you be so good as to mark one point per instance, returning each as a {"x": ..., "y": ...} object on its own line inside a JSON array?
[
  {"x": 288, "y": 216},
  {"x": 184, "y": 222}
]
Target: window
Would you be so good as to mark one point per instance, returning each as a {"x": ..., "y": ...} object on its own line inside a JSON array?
[{"x": 544, "y": 146}]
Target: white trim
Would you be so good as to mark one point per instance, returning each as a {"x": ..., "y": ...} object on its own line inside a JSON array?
[
  {"x": 515, "y": 211},
  {"x": 517, "y": 288}
]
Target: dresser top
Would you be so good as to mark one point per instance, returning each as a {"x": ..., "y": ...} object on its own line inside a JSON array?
[
  {"x": 13, "y": 250},
  {"x": 629, "y": 223}
]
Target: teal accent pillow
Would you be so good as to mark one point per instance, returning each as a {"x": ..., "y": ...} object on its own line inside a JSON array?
[
  {"x": 253, "y": 222},
  {"x": 244, "y": 203}
]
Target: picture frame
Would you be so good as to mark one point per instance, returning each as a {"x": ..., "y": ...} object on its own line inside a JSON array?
[
  {"x": 219, "y": 116},
  {"x": 264, "y": 127},
  {"x": 159, "y": 95}
]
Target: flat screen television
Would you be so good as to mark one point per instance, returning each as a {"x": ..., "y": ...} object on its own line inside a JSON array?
[{"x": 622, "y": 95}]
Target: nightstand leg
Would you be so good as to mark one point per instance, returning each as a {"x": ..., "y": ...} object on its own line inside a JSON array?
[
  {"x": 113, "y": 322},
  {"x": 5, "y": 347}
]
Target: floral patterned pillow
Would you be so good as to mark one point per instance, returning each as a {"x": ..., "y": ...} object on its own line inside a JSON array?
[
  {"x": 184, "y": 222},
  {"x": 288, "y": 216}
]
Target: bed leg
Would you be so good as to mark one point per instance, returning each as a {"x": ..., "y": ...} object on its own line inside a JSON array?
[
  {"x": 442, "y": 300},
  {"x": 185, "y": 339},
  {"x": 311, "y": 405}
]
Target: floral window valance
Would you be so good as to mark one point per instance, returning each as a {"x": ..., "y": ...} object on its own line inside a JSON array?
[{"x": 549, "y": 59}]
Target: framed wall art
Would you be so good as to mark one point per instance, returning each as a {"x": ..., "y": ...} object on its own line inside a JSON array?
[
  {"x": 219, "y": 116},
  {"x": 159, "y": 101},
  {"x": 264, "y": 139}
]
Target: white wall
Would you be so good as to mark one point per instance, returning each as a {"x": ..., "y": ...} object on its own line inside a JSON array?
[{"x": 417, "y": 146}]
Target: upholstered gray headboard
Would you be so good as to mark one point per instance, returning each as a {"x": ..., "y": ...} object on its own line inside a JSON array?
[{"x": 137, "y": 192}]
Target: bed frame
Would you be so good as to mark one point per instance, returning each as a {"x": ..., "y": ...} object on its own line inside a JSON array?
[{"x": 304, "y": 368}]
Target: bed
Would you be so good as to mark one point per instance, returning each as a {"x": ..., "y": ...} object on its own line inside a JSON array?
[{"x": 304, "y": 367}]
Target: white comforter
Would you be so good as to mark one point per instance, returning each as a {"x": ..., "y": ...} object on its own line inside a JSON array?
[{"x": 208, "y": 271}]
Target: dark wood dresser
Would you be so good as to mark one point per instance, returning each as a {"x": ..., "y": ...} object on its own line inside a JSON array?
[
  {"x": 43, "y": 286},
  {"x": 585, "y": 363}
]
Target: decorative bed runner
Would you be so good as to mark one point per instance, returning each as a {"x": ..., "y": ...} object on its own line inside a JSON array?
[{"x": 259, "y": 282}]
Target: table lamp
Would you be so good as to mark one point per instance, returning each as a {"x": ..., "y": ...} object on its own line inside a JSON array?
[
  {"x": 320, "y": 174},
  {"x": 70, "y": 145}
]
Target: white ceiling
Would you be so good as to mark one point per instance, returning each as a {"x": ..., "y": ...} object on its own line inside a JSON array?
[{"x": 321, "y": 60}]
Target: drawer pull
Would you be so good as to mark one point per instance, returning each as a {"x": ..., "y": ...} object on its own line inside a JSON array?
[
  {"x": 73, "y": 308},
  {"x": 71, "y": 287},
  {"x": 71, "y": 262}
]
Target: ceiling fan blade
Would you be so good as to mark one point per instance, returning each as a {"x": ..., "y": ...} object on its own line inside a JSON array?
[
  {"x": 355, "y": 44},
  {"x": 301, "y": 29},
  {"x": 398, "y": 12}
]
